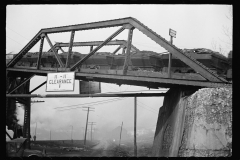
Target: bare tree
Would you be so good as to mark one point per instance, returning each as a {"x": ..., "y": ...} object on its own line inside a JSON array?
[{"x": 227, "y": 32}]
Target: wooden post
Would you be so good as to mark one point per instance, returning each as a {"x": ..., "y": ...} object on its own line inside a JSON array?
[
  {"x": 170, "y": 61},
  {"x": 135, "y": 126},
  {"x": 86, "y": 128}
]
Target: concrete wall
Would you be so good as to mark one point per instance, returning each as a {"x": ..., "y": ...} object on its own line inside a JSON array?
[{"x": 195, "y": 125}]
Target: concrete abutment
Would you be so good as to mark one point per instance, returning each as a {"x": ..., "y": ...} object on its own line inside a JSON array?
[{"x": 194, "y": 123}]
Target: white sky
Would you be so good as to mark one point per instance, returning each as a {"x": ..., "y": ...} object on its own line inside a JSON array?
[{"x": 197, "y": 26}]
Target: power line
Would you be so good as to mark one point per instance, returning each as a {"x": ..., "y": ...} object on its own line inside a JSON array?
[
  {"x": 88, "y": 103},
  {"x": 91, "y": 105},
  {"x": 147, "y": 108},
  {"x": 86, "y": 126},
  {"x": 146, "y": 105},
  {"x": 86, "y": 106},
  {"x": 14, "y": 41},
  {"x": 17, "y": 33}
]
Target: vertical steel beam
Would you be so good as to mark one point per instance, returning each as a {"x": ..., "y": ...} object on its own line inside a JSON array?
[
  {"x": 40, "y": 52},
  {"x": 123, "y": 50},
  {"x": 97, "y": 48},
  {"x": 70, "y": 48},
  {"x": 170, "y": 61},
  {"x": 56, "y": 55},
  {"x": 127, "y": 56},
  {"x": 61, "y": 49},
  {"x": 27, "y": 117},
  {"x": 116, "y": 50}
]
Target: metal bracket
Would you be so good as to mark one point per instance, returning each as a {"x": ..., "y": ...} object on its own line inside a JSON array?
[{"x": 128, "y": 26}]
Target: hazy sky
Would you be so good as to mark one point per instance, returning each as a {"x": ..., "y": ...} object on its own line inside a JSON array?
[{"x": 197, "y": 26}]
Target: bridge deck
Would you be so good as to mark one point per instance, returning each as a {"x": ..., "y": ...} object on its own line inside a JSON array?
[{"x": 138, "y": 78}]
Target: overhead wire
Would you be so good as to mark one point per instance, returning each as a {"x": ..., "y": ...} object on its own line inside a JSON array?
[
  {"x": 146, "y": 105},
  {"x": 147, "y": 109},
  {"x": 14, "y": 40},
  {"x": 89, "y": 103},
  {"x": 18, "y": 34}
]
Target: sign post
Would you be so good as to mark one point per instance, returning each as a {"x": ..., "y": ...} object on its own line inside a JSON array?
[
  {"x": 172, "y": 34},
  {"x": 61, "y": 81}
]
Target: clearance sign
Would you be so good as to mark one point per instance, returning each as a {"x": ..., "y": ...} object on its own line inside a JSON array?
[{"x": 61, "y": 81}]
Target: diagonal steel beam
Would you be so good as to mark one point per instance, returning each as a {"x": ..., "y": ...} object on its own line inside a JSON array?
[
  {"x": 61, "y": 49},
  {"x": 40, "y": 52},
  {"x": 70, "y": 48},
  {"x": 22, "y": 83},
  {"x": 30, "y": 44},
  {"x": 9, "y": 135},
  {"x": 116, "y": 50},
  {"x": 56, "y": 55},
  {"x": 127, "y": 56},
  {"x": 38, "y": 87},
  {"x": 194, "y": 64},
  {"x": 97, "y": 48}
]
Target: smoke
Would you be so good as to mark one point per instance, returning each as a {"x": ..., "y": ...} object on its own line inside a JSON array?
[
  {"x": 20, "y": 113},
  {"x": 11, "y": 115}
]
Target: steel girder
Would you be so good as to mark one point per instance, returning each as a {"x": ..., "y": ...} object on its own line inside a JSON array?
[
  {"x": 88, "y": 95},
  {"x": 194, "y": 64},
  {"x": 129, "y": 78},
  {"x": 121, "y": 43}
]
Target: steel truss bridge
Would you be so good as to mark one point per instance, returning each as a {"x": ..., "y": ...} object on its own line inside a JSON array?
[{"x": 18, "y": 77}]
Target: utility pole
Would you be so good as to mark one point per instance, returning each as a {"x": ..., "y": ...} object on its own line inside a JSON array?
[
  {"x": 120, "y": 135},
  {"x": 172, "y": 34},
  {"x": 135, "y": 128},
  {"x": 35, "y": 136},
  {"x": 86, "y": 124},
  {"x": 91, "y": 123},
  {"x": 71, "y": 134},
  {"x": 83, "y": 132}
]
